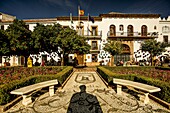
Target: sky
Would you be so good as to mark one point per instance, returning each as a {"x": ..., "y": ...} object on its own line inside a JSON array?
[{"x": 29, "y": 9}]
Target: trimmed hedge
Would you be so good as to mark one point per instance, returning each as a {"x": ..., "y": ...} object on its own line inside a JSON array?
[
  {"x": 5, "y": 89},
  {"x": 164, "y": 94}
]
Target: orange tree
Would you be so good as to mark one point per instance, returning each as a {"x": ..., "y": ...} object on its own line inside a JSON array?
[
  {"x": 69, "y": 42},
  {"x": 19, "y": 36},
  {"x": 154, "y": 48},
  {"x": 114, "y": 48}
]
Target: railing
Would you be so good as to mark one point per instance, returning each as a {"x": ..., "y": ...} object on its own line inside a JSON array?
[
  {"x": 89, "y": 33},
  {"x": 134, "y": 34}
]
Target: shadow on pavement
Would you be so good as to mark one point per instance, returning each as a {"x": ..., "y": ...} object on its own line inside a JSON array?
[{"x": 83, "y": 102}]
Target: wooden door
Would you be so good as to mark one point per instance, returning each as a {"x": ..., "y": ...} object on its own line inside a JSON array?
[{"x": 80, "y": 59}]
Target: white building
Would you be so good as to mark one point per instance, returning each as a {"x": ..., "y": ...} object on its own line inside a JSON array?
[{"x": 130, "y": 29}]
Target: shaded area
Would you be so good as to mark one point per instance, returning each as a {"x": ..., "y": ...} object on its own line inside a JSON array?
[{"x": 83, "y": 102}]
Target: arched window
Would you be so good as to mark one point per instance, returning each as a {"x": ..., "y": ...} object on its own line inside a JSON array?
[
  {"x": 155, "y": 28},
  {"x": 126, "y": 48},
  {"x": 112, "y": 30},
  {"x": 120, "y": 27},
  {"x": 165, "y": 29},
  {"x": 144, "y": 30},
  {"x": 130, "y": 30}
]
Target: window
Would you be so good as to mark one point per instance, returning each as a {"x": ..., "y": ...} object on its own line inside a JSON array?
[
  {"x": 94, "y": 58},
  {"x": 130, "y": 30},
  {"x": 112, "y": 30},
  {"x": 44, "y": 58},
  {"x": 144, "y": 30},
  {"x": 94, "y": 31},
  {"x": 165, "y": 29},
  {"x": 121, "y": 28},
  {"x": 155, "y": 28},
  {"x": 125, "y": 48},
  {"x": 80, "y": 30},
  {"x": 2, "y": 27},
  {"x": 165, "y": 39},
  {"x": 65, "y": 27},
  {"x": 71, "y": 57},
  {"x": 88, "y": 57},
  {"x": 94, "y": 45}
]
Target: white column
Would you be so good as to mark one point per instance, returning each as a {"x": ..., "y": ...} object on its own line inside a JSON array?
[
  {"x": 146, "y": 98},
  {"x": 119, "y": 89},
  {"x": 26, "y": 100},
  {"x": 51, "y": 90}
]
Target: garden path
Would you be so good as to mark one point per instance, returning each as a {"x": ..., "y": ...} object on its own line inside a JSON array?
[{"x": 85, "y": 92}]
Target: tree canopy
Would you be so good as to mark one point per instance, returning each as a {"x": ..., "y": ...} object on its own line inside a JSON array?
[
  {"x": 70, "y": 42},
  {"x": 113, "y": 47},
  {"x": 154, "y": 47},
  {"x": 20, "y": 39},
  {"x": 44, "y": 37},
  {"x": 4, "y": 43}
]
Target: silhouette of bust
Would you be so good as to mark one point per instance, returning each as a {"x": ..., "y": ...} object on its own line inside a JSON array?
[{"x": 83, "y": 102}]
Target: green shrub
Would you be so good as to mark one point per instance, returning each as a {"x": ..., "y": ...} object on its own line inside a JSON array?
[
  {"x": 5, "y": 89},
  {"x": 164, "y": 94}
]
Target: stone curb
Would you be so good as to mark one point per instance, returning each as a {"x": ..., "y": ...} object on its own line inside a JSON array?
[
  {"x": 9, "y": 105},
  {"x": 62, "y": 85},
  {"x": 159, "y": 101}
]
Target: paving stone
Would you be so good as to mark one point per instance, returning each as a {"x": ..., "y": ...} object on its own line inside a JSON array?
[{"x": 92, "y": 97}]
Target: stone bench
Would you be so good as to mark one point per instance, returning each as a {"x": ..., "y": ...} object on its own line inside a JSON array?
[
  {"x": 25, "y": 91},
  {"x": 144, "y": 87}
]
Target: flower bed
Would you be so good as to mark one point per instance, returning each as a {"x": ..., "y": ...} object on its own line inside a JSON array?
[
  {"x": 108, "y": 73},
  {"x": 161, "y": 74},
  {"x": 5, "y": 89},
  {"x": 8, "y": 74}
]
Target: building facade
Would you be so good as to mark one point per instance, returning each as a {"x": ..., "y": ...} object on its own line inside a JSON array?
[{"x": 130, "y": 29}]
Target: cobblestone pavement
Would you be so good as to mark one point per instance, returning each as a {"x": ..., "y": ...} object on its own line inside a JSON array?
[{"x": 85, "y": 92}]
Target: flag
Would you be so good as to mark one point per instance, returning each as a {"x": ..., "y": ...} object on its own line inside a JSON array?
[
  {"x": 81, "y": 12},
  {"x": 71, "y": 18},
  {"x": 91, "y": 19}
]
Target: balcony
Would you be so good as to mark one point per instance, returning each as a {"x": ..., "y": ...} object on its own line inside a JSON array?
[
  {"x": 91, "y": 34},
  {"x": 132, "y": 35}
]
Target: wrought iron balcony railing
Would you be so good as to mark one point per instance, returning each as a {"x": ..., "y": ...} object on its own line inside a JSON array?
[
  {"x": 133, "y": 34},
  {"x": 89, "y": 33}
]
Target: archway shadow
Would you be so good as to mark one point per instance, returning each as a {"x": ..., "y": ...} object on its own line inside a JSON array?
[{"x": 83, "y": 102}]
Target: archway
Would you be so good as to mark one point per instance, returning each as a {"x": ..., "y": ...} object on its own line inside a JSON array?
[{"x": 125, "y": 56}]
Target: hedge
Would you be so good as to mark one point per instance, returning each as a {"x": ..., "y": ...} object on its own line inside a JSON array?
[
  {"x": 164, "y": 94},
  {"x": 5, "y": 89}
]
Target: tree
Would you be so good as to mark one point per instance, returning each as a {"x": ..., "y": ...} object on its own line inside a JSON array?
[
  {"x": 45, "y": 36},
  {"x": 21, "y": 43},
  {"x": 154, "y": 48},
  {"x": 114, "y": 48},
  {"x": 70, "y": 42},
  {"x": 4, "y": 43}
]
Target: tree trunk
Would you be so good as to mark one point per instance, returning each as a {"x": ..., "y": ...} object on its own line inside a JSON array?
[
  {"x": 112, "y": 61},
  {"x": 25, "y": 60},
  {"x": 62, "y": 61}
]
